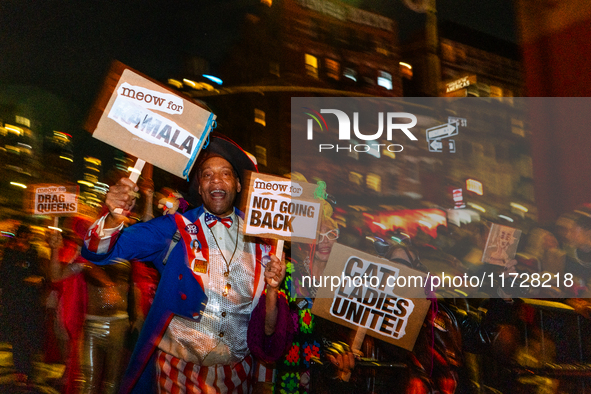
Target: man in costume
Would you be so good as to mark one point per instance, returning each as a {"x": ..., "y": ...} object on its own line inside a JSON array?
[{"x": 211, "y": 288}]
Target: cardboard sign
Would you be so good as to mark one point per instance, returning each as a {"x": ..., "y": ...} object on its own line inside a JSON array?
[
  {"x": 52, "y": 200},
  {"x": 374, "y": 294},
  {"x": 279, "y": 208},
  {"x": 149, "y": 120},
  {"x": 501, "y": 245}
]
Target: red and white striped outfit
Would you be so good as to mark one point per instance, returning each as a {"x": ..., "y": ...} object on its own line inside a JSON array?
[{"x": 176, "y": 376}]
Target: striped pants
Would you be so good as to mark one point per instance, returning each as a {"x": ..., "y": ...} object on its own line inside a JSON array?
[{"x": 176, "y": 376}]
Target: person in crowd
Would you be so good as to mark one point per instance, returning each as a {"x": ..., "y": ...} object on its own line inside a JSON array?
[
  {"x": 21, "y": 280},
  {"x": 212, "y": 282},
  {"x": 316, "y": 339},
  {"x": 99, "y": 331}
]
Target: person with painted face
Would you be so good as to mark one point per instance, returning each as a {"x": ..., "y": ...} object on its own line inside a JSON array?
[{"x": 213, "y": 285}]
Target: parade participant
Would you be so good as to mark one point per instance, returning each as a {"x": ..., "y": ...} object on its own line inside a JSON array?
[
  {"x": 314, "y": 336},
  {"x": 105, "y": 321},
  {"x": 21, "y": 280},
  {"x": 212, "y": 280}
]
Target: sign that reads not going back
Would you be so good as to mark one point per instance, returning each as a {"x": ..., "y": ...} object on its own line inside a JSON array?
[{"x": 279, "y": 208}]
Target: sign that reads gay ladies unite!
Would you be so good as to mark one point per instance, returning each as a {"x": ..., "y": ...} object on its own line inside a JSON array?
[
  {"x": 362, "y": 291},
  {"x": 278, "y": 208},
  {"x": 150, "y": 121},
  {"x": 54, "y": 200}
]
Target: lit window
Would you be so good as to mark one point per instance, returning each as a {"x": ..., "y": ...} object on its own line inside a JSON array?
[
  {"x": 333, "y": 69},
  {"x": 259, "y": 117},
  {"x": 355, "y": 177},
  {"x": 311, "y": 65},
  {"x": 385, "y": 80},
  {"x": 261, "y": 155},
  {"x": 474, "y": 186},
  {"x": 373, "y": 182},
  {"x": 24, "y": 121},
  {"x": 405, "y": 70},
  {"x": 350, "y": 73}
]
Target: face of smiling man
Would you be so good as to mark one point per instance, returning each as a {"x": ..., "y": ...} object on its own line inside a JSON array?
[{"x": 218, "y": 186}]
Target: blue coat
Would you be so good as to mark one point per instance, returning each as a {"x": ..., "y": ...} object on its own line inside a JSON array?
[{"x": 178, "y": 293}]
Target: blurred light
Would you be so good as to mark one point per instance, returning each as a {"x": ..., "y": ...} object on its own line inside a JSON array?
[
  {"x": 175, "y": 83},
  {"x": 213, "y": 79},
  {"x": 15, "y": 129},
  {"x": 198, "y": 85},
  {"x": 474, "y": 186},
  {"x": 350, "y": 73},
  {"x": 18, "y": 184},
  {"x": 380, "y": 225},
  {"x": 86, "y": 183},
  {"x": 388, "y": 153},
  {"x": 507, "y": 218},
  {"x": 519, "y": 206},
  {"x": 66, "y": 158},
  {"x": 25, "y": 145},
  {"x": 62, "y": 134},
  {"x": 54, "y": 228},
  {"x": 370, "y": 238},
  {"x": 6, "y": 234},
  {"x": 426, "y": 224},
  {"x": 461, "y": 292},
  {"x": 93, "y": 160},
  {"x": 385, "y": 79},
  {"x": 476, "y": 206},
  {"x": 132, "y": 169},
  {"x": 406, "y": 65}
]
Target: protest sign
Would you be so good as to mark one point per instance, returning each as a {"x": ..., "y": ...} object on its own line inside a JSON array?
[
  {"x": 149, "y": 120},
  {"x": 56, "y": 200},
  {"x": 372, "y": 295},
  {"x": 279, "y": 208},
  {"x": 501, "y": 245}
]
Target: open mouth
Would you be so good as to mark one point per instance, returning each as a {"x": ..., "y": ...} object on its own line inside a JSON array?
[{"x": 217, "y": 193}]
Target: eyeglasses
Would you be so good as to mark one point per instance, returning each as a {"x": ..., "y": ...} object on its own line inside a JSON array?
[{"x": 331, "y": 235}]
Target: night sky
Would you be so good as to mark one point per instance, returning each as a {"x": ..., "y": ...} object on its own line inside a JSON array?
[{"x": 65, "y": 47}]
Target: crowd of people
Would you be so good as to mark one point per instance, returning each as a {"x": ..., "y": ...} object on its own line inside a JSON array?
[{"x": 185, "y": 303}]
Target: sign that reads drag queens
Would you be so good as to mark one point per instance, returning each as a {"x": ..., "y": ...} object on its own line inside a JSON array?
[
  {"x": 53, "y": 200},
  {"x": 149, "y": 120},
  {"x": 362, "y": 291},
  {"x": 279, "y": 208}
]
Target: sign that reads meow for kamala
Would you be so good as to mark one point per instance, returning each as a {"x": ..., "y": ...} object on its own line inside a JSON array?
[{"x": 150, "y": 121}]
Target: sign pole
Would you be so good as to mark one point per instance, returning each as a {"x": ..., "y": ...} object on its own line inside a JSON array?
[
  {"x": 134, "y": 176},
  {"x": 137, "y": 170},
  {"x": 358, "y": 340}
]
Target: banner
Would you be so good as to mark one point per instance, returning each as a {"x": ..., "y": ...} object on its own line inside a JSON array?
[
  {"x": 55, "y": 200},
  {"x": 150, "y": 121},
  {"x": 361, "y": 291},
  {"x": 278, "y": 208}
]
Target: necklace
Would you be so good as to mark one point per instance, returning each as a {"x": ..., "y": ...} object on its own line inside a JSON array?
[{"x": 227, "y": 273}]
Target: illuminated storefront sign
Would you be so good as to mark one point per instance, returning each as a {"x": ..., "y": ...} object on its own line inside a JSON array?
[{"x": 474, "y": 186}]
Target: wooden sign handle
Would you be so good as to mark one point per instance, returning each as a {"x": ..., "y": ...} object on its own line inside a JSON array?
[
  {"x": 134, "y": 176},
  {"x": 279, "y": 249},
  {"x": 137, "y": 170},
  {"x": 358, "y": 340}
]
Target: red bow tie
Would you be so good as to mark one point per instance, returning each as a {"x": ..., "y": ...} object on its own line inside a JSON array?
[{"x": 211, "y": 220}]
